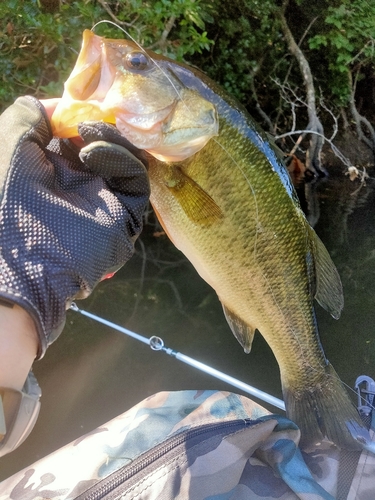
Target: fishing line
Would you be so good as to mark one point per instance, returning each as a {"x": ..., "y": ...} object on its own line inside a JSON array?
[
  {"x": 294, "y": 334},
  {"x": 271, "y": 291},
  {"x": 187, "y": 107},
  {"x": 269, "y": 286}
]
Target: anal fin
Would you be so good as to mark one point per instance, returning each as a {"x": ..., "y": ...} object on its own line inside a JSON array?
[{"x": 243, "y": 332}]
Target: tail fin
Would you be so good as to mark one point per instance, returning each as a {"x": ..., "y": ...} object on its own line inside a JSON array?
[{"x": 326, "y": 411}]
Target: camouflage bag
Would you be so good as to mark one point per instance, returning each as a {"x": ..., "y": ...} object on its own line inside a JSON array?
[{"x": 200, "y": 445}]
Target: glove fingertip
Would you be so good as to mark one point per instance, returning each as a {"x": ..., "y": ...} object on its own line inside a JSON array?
[
  {"x": 110, "y": 160},
  {"x": 91, "y": 131},
  {"x": 101, "y": 131}
]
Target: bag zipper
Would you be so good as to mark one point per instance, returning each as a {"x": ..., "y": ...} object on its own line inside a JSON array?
[{"x": 109, "y": 484}]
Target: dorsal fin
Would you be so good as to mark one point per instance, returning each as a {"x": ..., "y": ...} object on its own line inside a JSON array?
[
  {"x": 329, "y": 292},
  {"x": 243, "y": 332}
]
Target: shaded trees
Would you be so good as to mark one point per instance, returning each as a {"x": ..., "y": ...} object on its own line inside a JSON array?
[
  {"x": 295, "y": 63},
  {"x": 300, "y": 64},
  {"x": 39, "y": 44}
]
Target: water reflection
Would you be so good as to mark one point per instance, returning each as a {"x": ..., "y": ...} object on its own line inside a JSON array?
[
  {"x": 92, "y": 373},
  {"x": 347, "y": 226}
]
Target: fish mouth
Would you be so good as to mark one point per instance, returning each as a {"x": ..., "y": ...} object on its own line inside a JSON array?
[
  {"x": 152, "y": 109},
  {"x": 172, "y": 134}
]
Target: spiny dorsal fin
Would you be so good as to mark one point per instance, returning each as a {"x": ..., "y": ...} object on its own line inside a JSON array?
[
  {"x": 195, "y": 202},
  {"x": 329, "y": 292},
  {"x": 243, "y": 332}
]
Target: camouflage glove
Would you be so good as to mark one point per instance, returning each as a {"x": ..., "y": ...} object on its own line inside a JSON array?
[{"x": 67, "y": 217}]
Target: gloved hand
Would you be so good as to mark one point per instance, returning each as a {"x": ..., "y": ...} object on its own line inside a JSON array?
[{"x": 67, "y": 217}]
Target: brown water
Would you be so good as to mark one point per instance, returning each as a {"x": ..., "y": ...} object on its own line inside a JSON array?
[{"x": 92, "y": 373}]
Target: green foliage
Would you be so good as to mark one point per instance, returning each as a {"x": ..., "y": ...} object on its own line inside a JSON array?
[
  {"x": 38, "y": 48},
  {"x": 239, "y": 44},
  {"x": 251, "y": 59},
  {"x": 34, "y": 48},
  {"x": 247, "y": 37},
  {"x": 348, "y": 40}
]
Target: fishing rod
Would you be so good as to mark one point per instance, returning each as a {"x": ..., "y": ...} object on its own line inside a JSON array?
[{"x": 157, "y": 344}]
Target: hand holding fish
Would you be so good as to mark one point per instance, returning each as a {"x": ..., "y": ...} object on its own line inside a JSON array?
[{"x": 63, "y": 226}]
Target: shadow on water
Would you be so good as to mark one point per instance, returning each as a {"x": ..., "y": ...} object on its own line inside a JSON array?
[{"x": 92, "y": 373}]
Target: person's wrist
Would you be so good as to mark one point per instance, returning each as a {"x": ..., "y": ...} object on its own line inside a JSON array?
[{"x": 18, "y": 345}]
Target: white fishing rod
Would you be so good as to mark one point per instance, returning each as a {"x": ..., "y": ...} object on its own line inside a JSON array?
[{"x": 157, "y": 344}]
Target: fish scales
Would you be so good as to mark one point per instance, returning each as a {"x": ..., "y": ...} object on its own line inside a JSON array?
[
  {"x": 260, "y": 239},
  {"x": 226, "y": 201},
  {"x": 261, "y": 272}
]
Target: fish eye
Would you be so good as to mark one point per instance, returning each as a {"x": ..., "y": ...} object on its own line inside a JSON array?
[{"x": 136, "y": 60}]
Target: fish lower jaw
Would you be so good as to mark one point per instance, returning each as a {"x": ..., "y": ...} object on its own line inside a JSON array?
[{"x": 179, "y": 151}]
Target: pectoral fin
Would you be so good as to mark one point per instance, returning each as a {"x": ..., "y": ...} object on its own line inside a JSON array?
[
  {"x": 329, "y": 292},
  {"x": 195, "y": 202},
  {"x": 243, "y": 332}
]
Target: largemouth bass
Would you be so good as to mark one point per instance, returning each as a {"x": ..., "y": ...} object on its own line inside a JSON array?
[{"x": 226, "y": 201}]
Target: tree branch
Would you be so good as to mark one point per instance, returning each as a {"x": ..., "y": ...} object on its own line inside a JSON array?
[
  {"x": 105, "y": 6},
  {"x": 262, "y": 113},
  {"x": 165, "y": 34},
  {"x": 359, "y": 119},
  {"x": 313, "y": 160},
  {"x": 335, "y": 150}
]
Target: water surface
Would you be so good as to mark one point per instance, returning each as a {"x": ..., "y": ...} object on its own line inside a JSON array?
[{"x": 92, "y": 373}]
